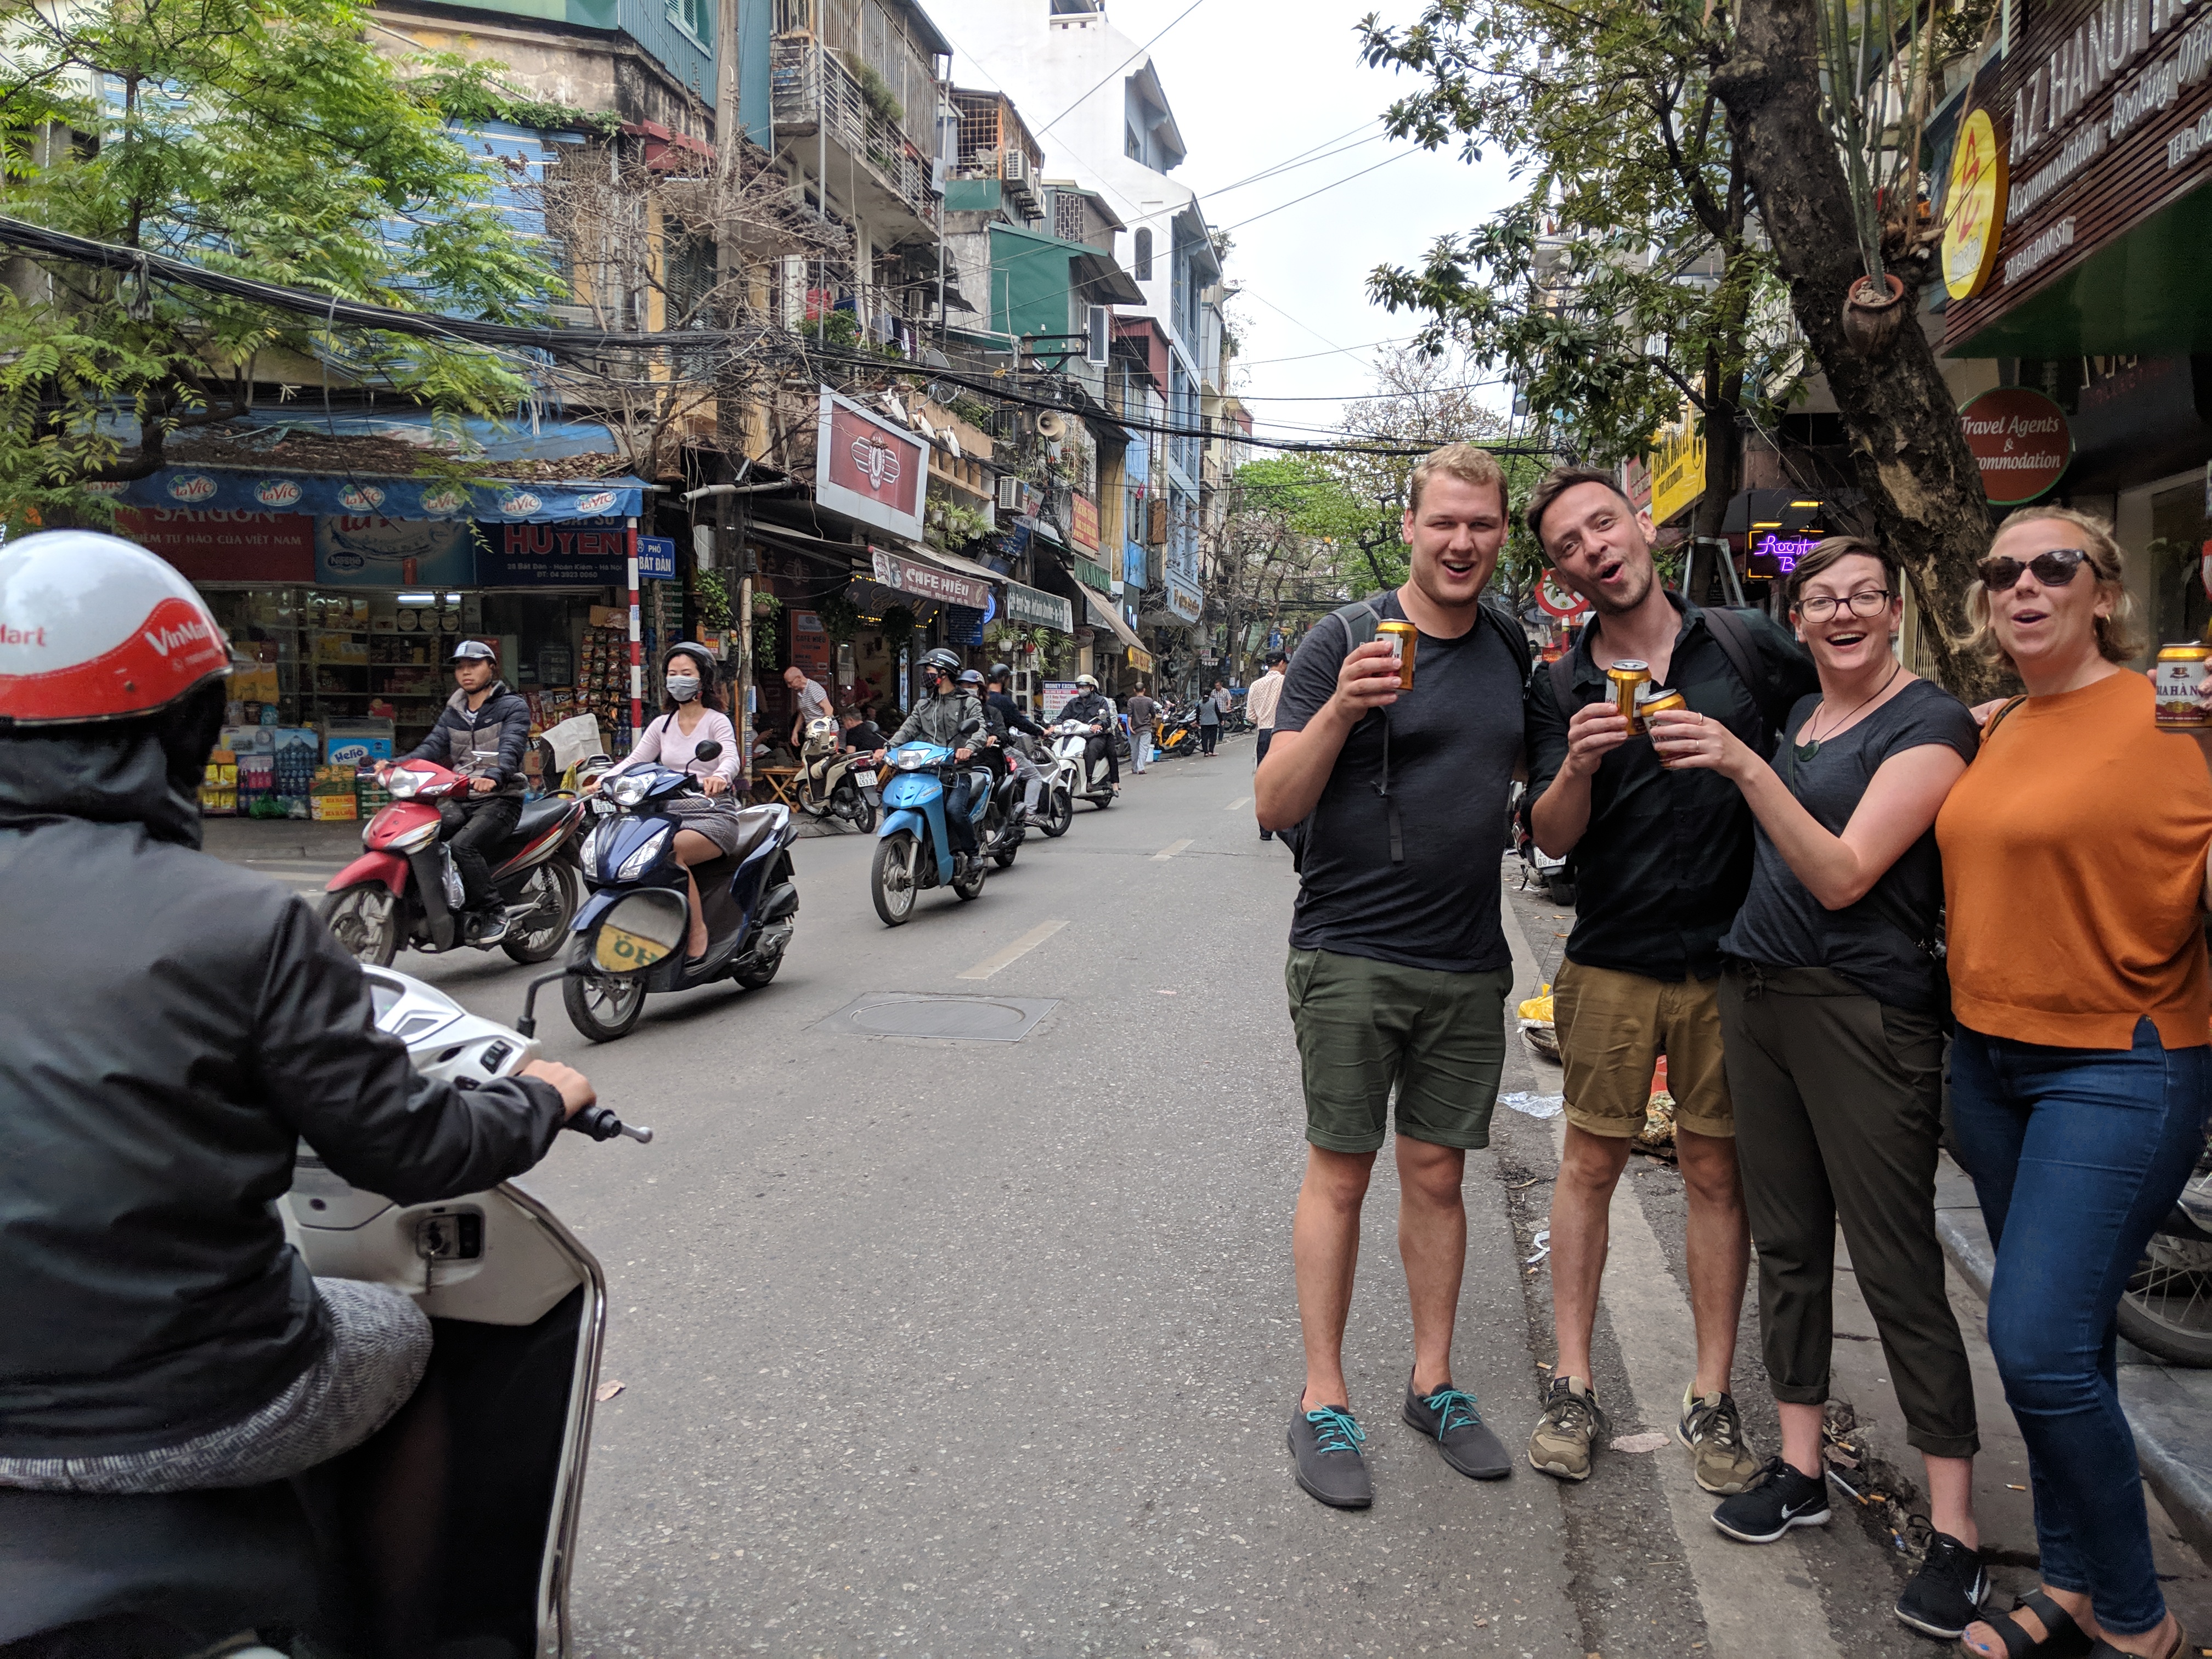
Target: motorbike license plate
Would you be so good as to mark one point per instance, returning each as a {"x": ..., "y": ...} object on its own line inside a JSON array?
[
  {"x": 866, "y": 780},
  {"x": 621, "y": 951}
]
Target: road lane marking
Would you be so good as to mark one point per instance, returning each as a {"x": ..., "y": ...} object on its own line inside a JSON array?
[
  {"x": 1020, "y": 948},
  {"x": 1170, "y": 849},
  {"x": 1241, "y": 801}
]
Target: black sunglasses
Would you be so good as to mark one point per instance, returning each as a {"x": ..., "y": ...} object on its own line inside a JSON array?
[{"x": 2053, "y": 569}]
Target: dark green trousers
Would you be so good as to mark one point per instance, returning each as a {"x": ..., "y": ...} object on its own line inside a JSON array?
[{"x": 1838, "y": 1104}]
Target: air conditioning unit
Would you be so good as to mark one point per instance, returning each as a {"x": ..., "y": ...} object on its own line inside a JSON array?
[
  {"x": 1013, "y": 495},
  {"x": 1014, "y": 166},
  {"x": 1098, "y": 339},
  {"x": 1155, "y": 524}
]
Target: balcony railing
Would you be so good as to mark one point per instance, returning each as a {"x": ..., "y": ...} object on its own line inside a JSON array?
[{"x": 811, "y": 86}]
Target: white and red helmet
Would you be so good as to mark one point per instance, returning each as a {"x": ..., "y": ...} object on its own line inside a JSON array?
[{"x": 93, "y": 627}]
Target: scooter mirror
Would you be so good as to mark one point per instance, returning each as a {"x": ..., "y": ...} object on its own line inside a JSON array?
[
  {"x": 708, "y": 750},
  {"x": 970, "y": 728}
]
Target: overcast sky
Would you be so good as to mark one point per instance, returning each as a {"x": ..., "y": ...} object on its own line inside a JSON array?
[{"x": 1253, "y": 84}]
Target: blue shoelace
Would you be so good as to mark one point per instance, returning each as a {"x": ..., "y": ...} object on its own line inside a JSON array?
[
  {"x": 1456, "y": 1409},
  {"x": 1336, "y": 1431}
]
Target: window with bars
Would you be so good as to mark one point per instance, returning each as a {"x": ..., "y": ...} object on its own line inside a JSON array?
[
  {"x": 1067, "y": 216},
  {"x": 1142, "y": 259},
  {"x": 695, "y": 18}
]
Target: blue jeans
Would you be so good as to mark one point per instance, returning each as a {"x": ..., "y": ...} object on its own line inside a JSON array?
[{"x": 2091, "y": 1146}]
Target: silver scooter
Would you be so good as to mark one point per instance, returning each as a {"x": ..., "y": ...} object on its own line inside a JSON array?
[{"x": 519, "y": 1307}]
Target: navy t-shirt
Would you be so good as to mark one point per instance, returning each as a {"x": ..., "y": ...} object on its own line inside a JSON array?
[{"x": 1453, "y": 739}]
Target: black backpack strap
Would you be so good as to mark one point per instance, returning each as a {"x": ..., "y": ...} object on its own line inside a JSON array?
[
  {"x": 1732, "y": 635},
  {"x": 1997, "y": 719},
  {"x": 1563, "y": 682}
]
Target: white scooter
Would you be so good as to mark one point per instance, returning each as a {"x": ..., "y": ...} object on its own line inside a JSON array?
[
  {"x": 1073, "y": 778},
  {"x": 519, "y": 1307}
]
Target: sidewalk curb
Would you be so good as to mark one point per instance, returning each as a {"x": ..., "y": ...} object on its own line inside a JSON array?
[{"x": 2184, "y": 1489}]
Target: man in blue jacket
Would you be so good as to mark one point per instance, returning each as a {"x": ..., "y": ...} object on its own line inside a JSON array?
[{"x": 481, "y": 733}]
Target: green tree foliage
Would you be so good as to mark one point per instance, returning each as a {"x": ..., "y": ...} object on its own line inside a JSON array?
[
  {"x": 266, "y": 139},
  {"x": 1627, "y": 278}
]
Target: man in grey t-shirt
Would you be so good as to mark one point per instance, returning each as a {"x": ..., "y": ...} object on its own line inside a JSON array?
[
  {"x": 813, "y": 703},
  {"x": 1143, "y": 715}
]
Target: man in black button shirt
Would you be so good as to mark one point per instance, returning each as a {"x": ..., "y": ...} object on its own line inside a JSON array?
[
  {"x": 1399, "y": 967},
  {"x": 1663, "y": 862}
]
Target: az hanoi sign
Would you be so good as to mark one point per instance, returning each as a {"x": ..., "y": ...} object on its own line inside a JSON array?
[
  {"x": 867, "y": 469},
  {"x": 2021, "y": 440}
]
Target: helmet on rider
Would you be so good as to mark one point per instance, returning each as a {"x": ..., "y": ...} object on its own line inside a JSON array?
[
  {"x": 100, "y": 629},
  {"x": 970, "y": 677},
  {"x": 1001, "y": 671},
  {"x": 941, "y": 661},
  {"x": 474, "y": 651},
  {"x": 1089, "y": 682}
]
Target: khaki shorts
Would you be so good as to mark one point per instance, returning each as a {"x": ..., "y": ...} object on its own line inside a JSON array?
[{"x": 1613, "y": 1028}]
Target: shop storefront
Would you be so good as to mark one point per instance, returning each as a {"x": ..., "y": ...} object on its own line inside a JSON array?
[{"x": 342, "y": 617}]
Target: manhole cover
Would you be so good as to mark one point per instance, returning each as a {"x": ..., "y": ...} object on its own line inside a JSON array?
[{"x": 969, "y": 1019}]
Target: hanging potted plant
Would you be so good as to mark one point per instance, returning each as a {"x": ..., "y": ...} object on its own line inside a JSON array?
[{"x": 1875, "y": 81}]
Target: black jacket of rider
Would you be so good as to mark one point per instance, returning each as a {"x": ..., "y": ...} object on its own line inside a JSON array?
[
  {"x": 485, "y": 742},
  {"x": 1010, "y": 715},
  {"x": 173, "y": 1027},
  {"x": 1091, "y": 709},
  {"x": 938, "y": 720}
]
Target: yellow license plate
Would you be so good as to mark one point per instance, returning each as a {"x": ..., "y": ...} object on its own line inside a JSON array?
[{"x": 620, "y": 952}]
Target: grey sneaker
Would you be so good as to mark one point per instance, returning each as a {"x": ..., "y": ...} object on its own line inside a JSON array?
[
  {"x": 1326, "y": 1458},
  {"x": 1713, "y": 1431},
  {"x": 1449, "y": 1418},
  {"x": 1566, "y": 1440}
]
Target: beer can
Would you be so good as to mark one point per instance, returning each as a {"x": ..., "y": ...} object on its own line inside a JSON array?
[
  {"x": 1628, "y": 677},
  {"x": 1404, "y": 640},
  {"x": 2179, "y": 675},
  {"x": 1658, "y": 702}
]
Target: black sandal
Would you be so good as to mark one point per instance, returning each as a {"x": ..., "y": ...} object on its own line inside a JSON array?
[
  {"x": 2061, "y": 1637},
  {"x": 2180, "y": 1646}
]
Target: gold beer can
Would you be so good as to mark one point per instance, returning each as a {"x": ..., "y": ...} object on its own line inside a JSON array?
[
  {"x": 1628, "y": 677},
  {"x": 1404, "y": 640},
  {"x": 2180, "y": 672},
  {"x": 1658, "y": 703}
]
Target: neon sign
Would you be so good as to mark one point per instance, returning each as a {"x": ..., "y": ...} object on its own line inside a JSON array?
[{"x": 1784, "y": 550}]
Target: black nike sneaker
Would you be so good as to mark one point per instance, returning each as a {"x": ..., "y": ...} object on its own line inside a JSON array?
[
  {"x": 1782, "y": 1499},
  {"x": 1945, "y": 1595}
]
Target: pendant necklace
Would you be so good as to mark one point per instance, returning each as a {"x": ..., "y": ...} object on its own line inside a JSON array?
[{"x": 1805, "y": 752}]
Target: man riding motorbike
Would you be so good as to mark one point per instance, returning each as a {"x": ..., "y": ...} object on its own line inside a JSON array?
[
  {"x": 482, "y": 734},
  {"x": 938, "y": 719},
  {"x": 174, "y": 1026},
  {"x": 1093, "y": 710}
]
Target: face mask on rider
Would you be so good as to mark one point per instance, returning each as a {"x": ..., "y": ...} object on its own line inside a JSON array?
[{"x": 683, "y": 687}]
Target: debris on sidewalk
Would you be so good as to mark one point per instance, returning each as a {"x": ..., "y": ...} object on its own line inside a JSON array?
[
  {"x": 1543, "y": 1243},
  {"x": 1656, "y": 1138},
  {"x": 1534, "y": 1105},
  {"x": 1537, "y": 1029},
  {"x": 1648, "y": 1442}
]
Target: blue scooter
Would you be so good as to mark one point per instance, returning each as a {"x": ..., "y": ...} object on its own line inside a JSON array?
[
  {"x": 912, "y": 850},
  {"x": 630, "y": 933}
]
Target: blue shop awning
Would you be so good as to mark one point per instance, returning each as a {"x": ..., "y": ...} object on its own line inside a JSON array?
[{"x": 398, "y": 497}]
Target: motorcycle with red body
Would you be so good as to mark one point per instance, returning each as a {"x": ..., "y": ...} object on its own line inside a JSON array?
[{"x": 404, "y": 890}]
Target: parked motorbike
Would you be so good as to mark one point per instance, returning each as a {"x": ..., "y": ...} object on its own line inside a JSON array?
[
  {"x": 1088, "y": 780},
  {"x": 834, "y": 782},
  {"x": 912, "y": 850},
  {"x": 1177, "y": 733},
  {"x": 2167, "y": 1308},
  {"x": 630, "y": 934},
  {"x": 1539, "y": 868},
  {"x": 518, "y": 1307},
  {"x": 404, "y": 889}
]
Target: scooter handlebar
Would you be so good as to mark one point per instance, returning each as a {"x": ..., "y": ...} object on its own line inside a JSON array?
[{"x": 601, "y": 1124}]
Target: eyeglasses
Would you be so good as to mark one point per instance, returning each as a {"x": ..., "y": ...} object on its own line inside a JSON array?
[
  {"x": 1868, "y": 602},
  {"x": 2053, "y": 569}
]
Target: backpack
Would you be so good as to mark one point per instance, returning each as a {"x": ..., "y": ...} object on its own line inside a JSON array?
[{"x": 1362, "y": 619}]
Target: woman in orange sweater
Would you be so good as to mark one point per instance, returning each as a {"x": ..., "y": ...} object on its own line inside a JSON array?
[{"x": 2075, "y": 874}]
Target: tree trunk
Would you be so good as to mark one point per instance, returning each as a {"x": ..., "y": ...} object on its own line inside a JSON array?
[{"x": 1922, "y": 484}]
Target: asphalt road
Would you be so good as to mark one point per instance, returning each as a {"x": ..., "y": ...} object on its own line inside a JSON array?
[{"x": 957, "y": 1349}]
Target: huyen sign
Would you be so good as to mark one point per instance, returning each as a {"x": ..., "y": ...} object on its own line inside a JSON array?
[
  {"x": 2021, "y": 440},
  {"x": 868, "y": 469},
  {"x": 2104, "y": 111}
]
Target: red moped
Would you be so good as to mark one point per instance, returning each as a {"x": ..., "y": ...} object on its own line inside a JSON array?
[{"x": 404, "y": 890}]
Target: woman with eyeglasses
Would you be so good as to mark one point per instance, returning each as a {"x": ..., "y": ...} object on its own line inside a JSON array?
[
  {"x": 1832, "y": 1026},
  {"x": 2074, "y": 867}
]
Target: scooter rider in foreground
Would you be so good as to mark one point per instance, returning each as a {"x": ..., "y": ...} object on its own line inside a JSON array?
[
  {"x": 938, "y": 719},
  {"x": 173, "y": 1026},
  {"x": 1093, "y": 710},
  {"x": 481, "y": 732}
]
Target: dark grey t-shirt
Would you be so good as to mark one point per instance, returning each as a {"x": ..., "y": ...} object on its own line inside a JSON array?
[
  {"x": 1453, "y": 739},
  {"x": 1782, "y": 926}
]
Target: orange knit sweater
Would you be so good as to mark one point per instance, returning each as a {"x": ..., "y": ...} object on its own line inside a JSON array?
[{"x": 2073, "y": 872}]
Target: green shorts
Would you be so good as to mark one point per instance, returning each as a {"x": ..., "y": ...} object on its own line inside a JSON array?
[{"x": 1366, "y": 1027}]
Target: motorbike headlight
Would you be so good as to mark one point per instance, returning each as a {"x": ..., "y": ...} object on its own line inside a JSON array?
[
  {"x": 644, "y": 859},
  {"x": 594, "y": 848},
  {"x": 913, "y": 760},
  {"x": 630, "y": 789},
  {"x": 401, "y": 784}
]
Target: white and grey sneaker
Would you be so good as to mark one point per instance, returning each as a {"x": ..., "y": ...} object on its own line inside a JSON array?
[{"x": 1781, "y": 1499}]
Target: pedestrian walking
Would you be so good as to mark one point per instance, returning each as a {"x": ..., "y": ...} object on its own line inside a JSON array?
[
  {"x": 1143, "y": 715},
  {"x": 1259, "y": 703},
  {"x": 1831, "y": 1005},
  {"x": 1661, "y": 861},
  {"x": 1398, "y": 968},
  {"x": 1209, "y": 723},
  {"x": 2075, "y": 878}
]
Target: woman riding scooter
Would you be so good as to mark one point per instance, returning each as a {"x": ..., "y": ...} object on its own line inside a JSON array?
[{"x": 691, "y": 717}]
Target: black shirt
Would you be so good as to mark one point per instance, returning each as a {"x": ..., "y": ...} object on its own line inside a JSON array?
[
  {"x": 1453, "y": 742},
  {"x": 1665, "y": 863},
  {"x": 1876, "y": 943},
  {"x": 1007, "y": 715},
  {"x": 866, "y": 736}
]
